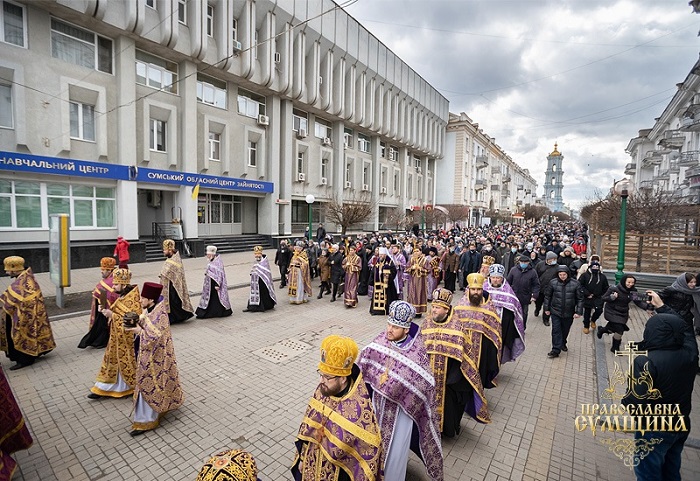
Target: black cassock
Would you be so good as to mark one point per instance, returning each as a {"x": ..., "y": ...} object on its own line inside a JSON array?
[
  {"x": 266, "y": 302},
  {"x": 214, "y": 308},
  {"x": 177, "y": 313},
  {"x": 98, "y": 335}
]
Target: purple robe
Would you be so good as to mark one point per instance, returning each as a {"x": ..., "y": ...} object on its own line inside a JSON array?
[
  {"x": 401, "y": 378},
  {"x": 215, "y": 272},
  {"x": 325, "y": 445},
  {"x": 504, "y": 298},
  {"x": 261, "y": 272}
]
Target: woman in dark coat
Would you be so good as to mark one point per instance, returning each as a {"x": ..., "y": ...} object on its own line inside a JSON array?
[
  {"x": 680, "y": 296},
  {"x": 324, "y": 272},
  {"x": 617, "y": 309}
]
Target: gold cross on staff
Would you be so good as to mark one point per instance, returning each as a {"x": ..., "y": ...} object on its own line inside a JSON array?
[{"x": 631, "y": 352}]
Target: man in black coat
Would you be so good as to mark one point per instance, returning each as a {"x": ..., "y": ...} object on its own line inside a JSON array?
[
  {"x": 283, "y": 257},
  {"x": 563, "y": 301},
  {"x": 546, "y": 271},
  {"x": 525, "y": 283},
  {"x": 671, "y": 359},
  {"x": 335, "y": 259},
  {"x": 594, "y": 284},
  {"x": 470, "y": 262},
  {"x": 320, "y": 233}
]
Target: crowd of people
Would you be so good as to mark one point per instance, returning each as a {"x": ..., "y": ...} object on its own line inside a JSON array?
[{"x": 412, "y": 384}]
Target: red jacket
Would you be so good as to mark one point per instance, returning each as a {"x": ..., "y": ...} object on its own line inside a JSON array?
[
  {"x": 579, "y": 248},
  {"x": 122, "y": 249}
]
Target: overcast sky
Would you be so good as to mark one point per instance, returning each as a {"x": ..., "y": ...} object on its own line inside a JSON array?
[{"x": 588, "y": 74}]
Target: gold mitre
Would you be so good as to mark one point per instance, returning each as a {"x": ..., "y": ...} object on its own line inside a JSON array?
[
  {"x": 121, "y": 276},
  {"x": 108, "y": 263},
  {"x": 236, "y": 465},
  {"x": 488, "y": 260},
  {"x": 338, "y": 354},
  {"x": 258, "y": 250},
  {"x": 169, "y": 244},
  {"x": 442, "y": 297},
  {"x": 475, "y": 281},
  {"x": 14, "y": 263}
]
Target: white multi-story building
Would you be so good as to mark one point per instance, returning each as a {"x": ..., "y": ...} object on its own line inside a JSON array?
[
  {"x": 114, "y": 111},
  {"x": 665, "y": 157},
  {"x": 477, "y": 172}
]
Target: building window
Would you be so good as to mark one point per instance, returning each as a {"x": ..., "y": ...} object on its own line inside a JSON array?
[
  {"x": 382, "y": 178},
  {"x": 393, "y": 153},
  {"x": 214, "y": 146},
  {"x": 397, "y": 183},
  {"x": 348, "y": 171},
  {"x": 252, "y": 154},
  {"x": 322, "y": 128},
  {"x": 382, "y": 150},
  {"x": 300, "y": 121},
  {"x": 420, "y": 187},
  {"x": 409, "y": 186},
  {"x": 22, "y": 203},
  {"x": 182, "y": 11},
  {"x": 211, "y": 91},
  {"x": 365, "y": 173},
  {"x": 82, "y": 121},
  {"x": 348, "y": 135},
  {"x": 255, "y": 45},
  {"x": 210, "y": 20},
  {"x": 234, "y": 29},
  {"x": 156, "y": 72},
  {"x": 80, "y": 47},
  {"x": 151, "y": 4},
  {"x": 324, "y": 168},
  {"x": 12, "y": 24},
  {"x": 6, "y": 114},
  {"x": 363, "y": 143},
  {"x": 250, "y": 104},
  {"x": 417, "y": 163},
  {"x": 300, "y": 162},
  {"x": 157, "y": 136}
]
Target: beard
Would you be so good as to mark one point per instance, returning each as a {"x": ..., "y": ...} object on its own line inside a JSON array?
[{"x": 475, "y": 299}]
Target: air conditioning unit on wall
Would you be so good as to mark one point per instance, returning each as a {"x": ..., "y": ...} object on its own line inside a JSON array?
[
  {"x": 301, "y": 177},
  {"x": 326, "y": 141},
  {"x": 263, "y": 120},
  {"x": 348, "y": 184},
  {"x": 324, "y": 181}
]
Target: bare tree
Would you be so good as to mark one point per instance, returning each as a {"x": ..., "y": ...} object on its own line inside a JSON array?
[
  {"x": 456, "y": 212},
  {"x": 347, "y": 212},
  {"x": 535, "y": 212},
  {"x": 398, "y": 219}
]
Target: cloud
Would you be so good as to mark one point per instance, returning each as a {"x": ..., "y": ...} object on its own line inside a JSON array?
[{"x": 586, "y": 74}]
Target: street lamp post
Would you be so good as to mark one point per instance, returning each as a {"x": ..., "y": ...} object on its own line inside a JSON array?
[
  {"x": 310, "y": 200},
  {"x": 623, "y": 188}
]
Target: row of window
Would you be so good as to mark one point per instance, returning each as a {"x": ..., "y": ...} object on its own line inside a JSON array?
[{"x": 28, "y": 205}]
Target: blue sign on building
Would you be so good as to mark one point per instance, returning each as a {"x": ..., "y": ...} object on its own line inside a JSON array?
[{"x": 19, "y": 162}]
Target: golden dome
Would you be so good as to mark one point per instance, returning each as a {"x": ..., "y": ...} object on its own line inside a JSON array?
[{"x": 555, "y": 152}]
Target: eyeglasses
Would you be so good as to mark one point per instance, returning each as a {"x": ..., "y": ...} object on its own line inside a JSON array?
[{"x": 325, "y": 377}]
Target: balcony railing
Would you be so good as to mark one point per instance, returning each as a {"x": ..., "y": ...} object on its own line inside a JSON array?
[
  {"x": 496, "y": 187},
  {"x": 652, "y": 157},
  {"x": 663, "y": 175},
  {"x": 674, "y": 167},
  {"x": 481, "y": 161},
  {"x": 673, "y": 139},
  {"x": 630, "y": 168},
  {"x": 520, "y": 187},
  {"x": 689, "y": 159},
  {"x": 495, "y": 170},
  {"x": 479, "y": 184},
  {"x": 506, "y": 178},
  {"x": 694, "y": 172},
  {"x": 646, "y": 184}
]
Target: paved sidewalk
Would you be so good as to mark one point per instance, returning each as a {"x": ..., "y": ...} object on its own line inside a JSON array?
[{"x": 247, "y": 380}]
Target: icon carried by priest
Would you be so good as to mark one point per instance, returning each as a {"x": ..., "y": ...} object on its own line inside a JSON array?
[
  {"x": 341, "y": 400},
  {"x": 25, "y": 332}
]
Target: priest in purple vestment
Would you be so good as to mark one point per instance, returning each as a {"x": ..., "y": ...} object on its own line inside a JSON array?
[
  {"x": 396, "y": 368},
  {"x": 214, "y": 301},
  {"x": 262, "y": 292},
  {"x": 509, "y": 310}
]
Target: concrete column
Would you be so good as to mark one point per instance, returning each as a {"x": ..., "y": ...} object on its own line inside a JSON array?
[
  {"x": 375, "y": 150},
  {"x": 188, "y": 155},
  {"x": 127, "y": 211},
  {"x": 269, "y": 212},
  {"x": 283, "y": 131}
]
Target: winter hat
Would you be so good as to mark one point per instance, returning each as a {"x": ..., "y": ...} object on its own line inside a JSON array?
[{"x": 550, "y": 255}]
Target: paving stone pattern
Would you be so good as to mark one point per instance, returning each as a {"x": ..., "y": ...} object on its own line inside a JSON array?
[{"x": 238, "y": 398}]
